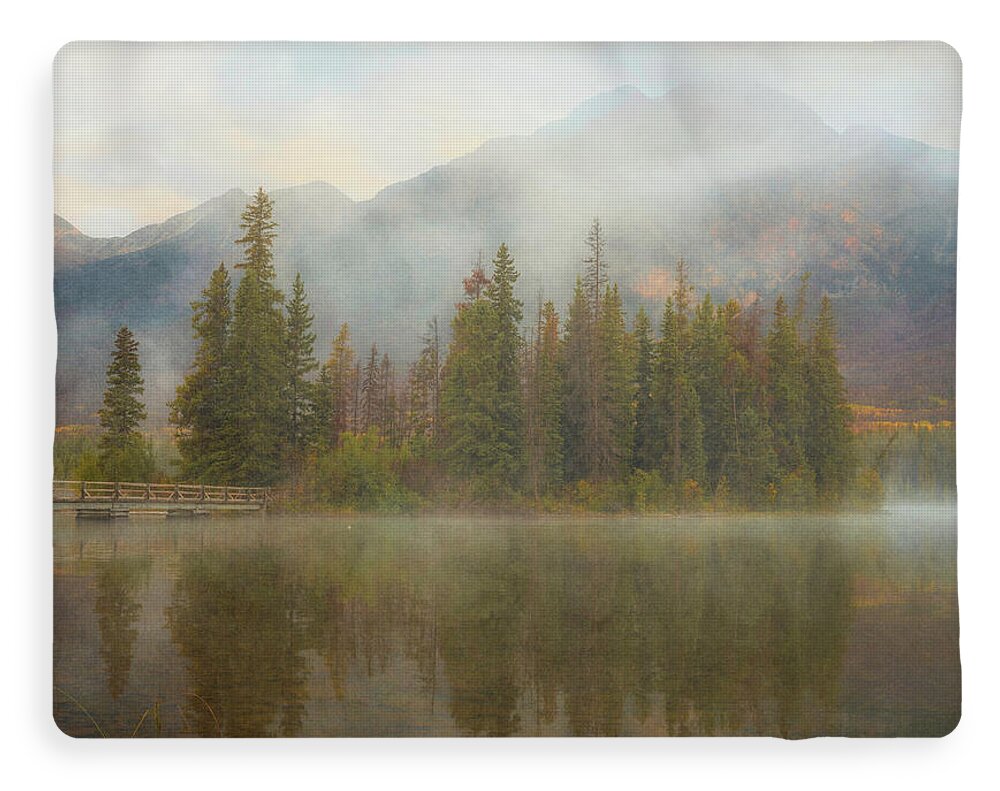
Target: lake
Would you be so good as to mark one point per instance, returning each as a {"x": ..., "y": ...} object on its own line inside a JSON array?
[{"x": 268, "y": 625}]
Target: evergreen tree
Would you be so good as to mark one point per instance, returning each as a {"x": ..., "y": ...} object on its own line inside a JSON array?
[
  {"x": 469, "y": 397},
  {"x": 481, "y": 405},
  {"x": 124, "y": 454},
  {"x": 595, "y": 279},
  {"x": 507, "y": 315},
  {"x": 544, "y": 426},
  {"x": 644, "y": 453},
  {"x": 787, "y": 388},
  {"x": 677, "y": 406},
  {"x": 388, "y": 419},
  {"x": 300, "y": 362},
  {"x": 596, "y": 364},
  {"x": 371, "y": 392},
  {"x": 579, "y": 455},
  {"x": 257, "y": 424},
  {"x": 616, "y": 365},
  {"x": 335, "y": 390},
  {"x": 750, "y": 464},
  {"x": 708, "y": 356},
  {"x": 200, "y": 410},
  {"x": 425, "y": 386},
  {"x": 828, "y": 445}
]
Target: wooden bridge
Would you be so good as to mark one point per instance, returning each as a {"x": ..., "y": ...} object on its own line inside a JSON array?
[{"x": 115, "y": 498}]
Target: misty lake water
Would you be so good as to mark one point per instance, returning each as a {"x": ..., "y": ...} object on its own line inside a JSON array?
[{"x": 268, "y": 625}]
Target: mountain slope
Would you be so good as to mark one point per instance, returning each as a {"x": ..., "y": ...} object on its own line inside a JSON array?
[{"x": 749, "y": 186}]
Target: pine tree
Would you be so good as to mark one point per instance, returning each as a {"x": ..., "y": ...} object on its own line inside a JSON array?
[
  {"x": 507, "y": 313},
  {"x": 300, "y": 362},
  {"x": 482, "y": 411},
  {"x": 371, "y": 392},
  {"x": 425, "y": 386},
  {"x": 828, "y": 445},
  {"x": 677, "y": 406},
  {"x": 469, "y": 397},
  {"x": 388, "y": 419},
  {"x": 708, "y": 355},
  {"x": 787, "y": 388},
  {"x": 256, "y": 429},
  {"x": 335, "y": 390},
  {"x": 576, "y": 368},
  {"x": 644, "y": 454},
  {"x": 544, "y": 439},
  {"x": 123, "y": 452},
  {"x": 200, "y": 409},
  {"x": 616, "y": 365},
  {"x": 595, "y": 279},
  {"x": 751, "y": 465}
]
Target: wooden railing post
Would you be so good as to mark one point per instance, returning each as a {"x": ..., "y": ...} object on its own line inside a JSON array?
[
  {"x": 117, "y": 492},
  {"x": 149, "y": 492},
  {"x": 201, "y": 493},
  {"x": 83, "y": 490},
  {"x": 176, "y": 492}
]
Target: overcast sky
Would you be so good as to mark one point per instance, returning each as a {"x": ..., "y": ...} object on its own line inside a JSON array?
[{"x": 143, "y": 131}]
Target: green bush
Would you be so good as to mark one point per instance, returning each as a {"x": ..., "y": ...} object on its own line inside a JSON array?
[
  {"x": 362, "y": 473},
  {"x": 132, "y": 462},
  {"x": 797, "y": 490}
]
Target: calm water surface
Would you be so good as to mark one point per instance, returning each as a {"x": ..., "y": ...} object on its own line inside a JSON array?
[{"x": 402, "y": 626}]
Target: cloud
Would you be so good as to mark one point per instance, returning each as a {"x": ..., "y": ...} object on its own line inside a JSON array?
[{"x": 181, "y": 123}]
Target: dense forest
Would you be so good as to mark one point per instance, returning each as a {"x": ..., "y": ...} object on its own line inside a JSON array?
[{"x": 710, "y": 409}]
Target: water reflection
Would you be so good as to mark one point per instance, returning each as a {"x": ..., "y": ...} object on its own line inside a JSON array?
[{"x": 286, "y": 627}]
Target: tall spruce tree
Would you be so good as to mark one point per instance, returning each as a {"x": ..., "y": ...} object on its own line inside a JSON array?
[
  {"x": 481, "y": 400},
  {"x": 678, "y": 409},
  {"x": 616, "y": 363},
  {"x": 371, "y": 392},
  {"x": 579, "y": 455},
  {"x": 750, "y": 464},
  {"x": 469, "y": 398},
  {"x": 828, "y": 443},
  {"x": 644, "y": 444},
  {"x": 544, "y": 439},
  {"x": 425, "y": 386},
  {"x": 595, "y": 278},
  {"x": 335, "y": 390},
  {"x": 507, "y": 315},
  {"x": 201, "y": 409},
  {"x": 787, "y": 388},
  {"x": 709, "y": 352},
  {"x": 124, "y": 454},
  {"x": 389, "y": 423},
  {"x": 300, "y": 362},
  {"x": 256, "y": 356}
]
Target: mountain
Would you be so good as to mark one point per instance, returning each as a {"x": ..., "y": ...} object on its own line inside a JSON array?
[{"x": 748, "y": 185}]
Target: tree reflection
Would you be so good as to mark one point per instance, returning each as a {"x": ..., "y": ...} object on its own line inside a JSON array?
[
  {"x": 118, "y": 610},
  {"x": 547, "y": 630},
  {"x": 235, "y": 619}
]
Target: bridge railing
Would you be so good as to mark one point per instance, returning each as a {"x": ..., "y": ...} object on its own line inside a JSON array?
[{"x": 121, "y": 491}]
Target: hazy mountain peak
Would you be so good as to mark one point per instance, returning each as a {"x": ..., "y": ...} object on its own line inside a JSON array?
[
  {"x": 313, "y": 190},
  {"x": 593, "y": 108},
  {"x": 64, "y": 226}
]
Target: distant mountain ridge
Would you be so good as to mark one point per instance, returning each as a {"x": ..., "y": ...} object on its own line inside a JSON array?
[{"x": 748, "y": 185}]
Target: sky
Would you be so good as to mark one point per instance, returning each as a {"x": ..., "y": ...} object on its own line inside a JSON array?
[{"x": 145, "y": 130}]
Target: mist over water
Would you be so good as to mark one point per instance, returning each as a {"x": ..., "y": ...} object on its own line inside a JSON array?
[{"x": 744, "y": 625}]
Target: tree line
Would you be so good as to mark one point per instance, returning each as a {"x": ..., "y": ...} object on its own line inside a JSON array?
[{"x": 711, "y": 407}]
